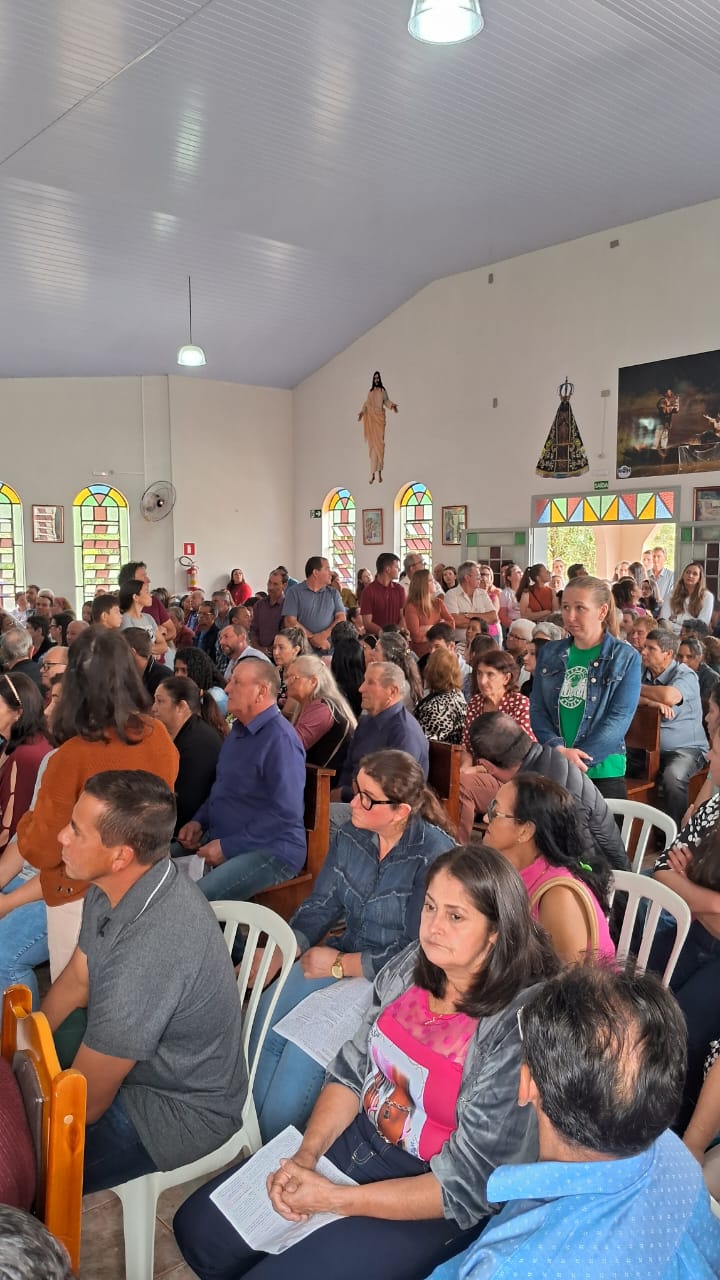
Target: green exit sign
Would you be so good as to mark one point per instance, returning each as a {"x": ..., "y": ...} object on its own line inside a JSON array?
[{"x": 601, "y": 486}]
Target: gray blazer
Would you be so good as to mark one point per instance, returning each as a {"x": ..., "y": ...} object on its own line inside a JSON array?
[{"x": 491, "y": 1128}]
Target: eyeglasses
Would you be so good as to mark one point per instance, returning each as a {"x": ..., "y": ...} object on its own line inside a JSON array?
[
  {"x": 367, "y": 801},
  {"x": 47, "y": 665},
  {"x": 494, "y": 812}
]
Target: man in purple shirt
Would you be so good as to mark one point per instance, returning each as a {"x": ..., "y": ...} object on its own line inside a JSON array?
[
  {"x": 250, "y": 831},
  {"x": 267, "y": 614}
]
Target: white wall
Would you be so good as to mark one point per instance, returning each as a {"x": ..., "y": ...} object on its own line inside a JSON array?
[
  {"x": 231, "y": 462},
  {"x": 578, "y": 309}
]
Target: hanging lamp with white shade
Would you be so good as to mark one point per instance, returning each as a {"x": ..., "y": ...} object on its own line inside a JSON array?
[
  {"x": 191, "y": 356},
  {"x": 445, "y": 21}
]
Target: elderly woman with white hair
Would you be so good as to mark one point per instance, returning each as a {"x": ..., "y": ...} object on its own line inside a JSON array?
[{"x": 324, "y": 722}]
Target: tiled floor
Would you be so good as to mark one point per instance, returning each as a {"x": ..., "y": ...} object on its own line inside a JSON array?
[{"x": 103, "y": 1251}]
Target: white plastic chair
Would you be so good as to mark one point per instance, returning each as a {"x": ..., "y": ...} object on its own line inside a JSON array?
[
  {"x": 649, "y": 817},
  {"x": 140, "y": 1196},
  {"x": 660, "y": 898}
]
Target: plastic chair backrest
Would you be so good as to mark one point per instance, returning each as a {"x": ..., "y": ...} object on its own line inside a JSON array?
[
  {"x": 633, "y": 812},
  {"x": 659, "y": 898},
  {"x": 57, "y": 1117},
  {"x": 264, "y": 929}
]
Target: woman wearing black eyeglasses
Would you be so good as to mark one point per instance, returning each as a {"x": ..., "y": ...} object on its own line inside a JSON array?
[{"x": 372, "y": 882}]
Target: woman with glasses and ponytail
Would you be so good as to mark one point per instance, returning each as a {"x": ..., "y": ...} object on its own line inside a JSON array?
[{"x": 372, "y": 884}]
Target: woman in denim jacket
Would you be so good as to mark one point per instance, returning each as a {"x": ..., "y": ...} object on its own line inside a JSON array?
[
  {"x": 586, "y": 689},
  {"x": 418, "y": 1108}
]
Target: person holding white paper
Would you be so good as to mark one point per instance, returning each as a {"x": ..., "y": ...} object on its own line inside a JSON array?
[
  {"x": 419, "y": 1107},
  {"x": 373, "y": 880}
]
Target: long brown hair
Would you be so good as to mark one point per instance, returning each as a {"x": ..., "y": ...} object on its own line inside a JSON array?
[
  {"x": 695, "y": 601},
  {"x": 101, "y": 691},
  {"x": 419, "y": 593}
]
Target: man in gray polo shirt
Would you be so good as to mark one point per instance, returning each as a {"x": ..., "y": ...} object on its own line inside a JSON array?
[
  {"x": 674, "y": 688},
  {"x": 162, "y": 1051},
  {"x": 314, "y": 606}
]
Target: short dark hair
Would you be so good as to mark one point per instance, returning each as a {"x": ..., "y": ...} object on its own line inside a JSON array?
[
  {"x": 128, "y": 571},
  {"x": 576, "y": 571},
  {"x": 693, "y": 644},
  {"x": 385, "y": 560},
  {"x": 666, "y": 641},
  {"x": 127, "y": 593},
  {"x": 499, "y": 739},
  {"x": 607, "y": 1052},
  {"x": 313, "y": 564},
  {"x": 40, "y": 623},
  {"x": 140, "y": 811},
  {"x": 440, "y": 631},
  {"x": 139, "y": 639},
  {"x": 210, "y": 605},
  {"x": 696, "y": 627},
  {"x": 27, "y": 1249},
  {"x": 521, "y": 954},
  {"x": 101, "y": 605}
]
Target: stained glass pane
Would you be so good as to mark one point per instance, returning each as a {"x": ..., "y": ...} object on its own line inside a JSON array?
[
  {"x": 101, "y": 535},
  {"x": 339, "y": 520},
  {"x": 12, "y": 550},
  {"x": 416, "y": 521}
]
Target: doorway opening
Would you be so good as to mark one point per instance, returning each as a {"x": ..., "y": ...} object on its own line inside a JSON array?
[{"x": 604, "y": 531}]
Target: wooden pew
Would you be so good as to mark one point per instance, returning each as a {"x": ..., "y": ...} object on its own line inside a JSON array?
[
  {"x": 285, "y": 898},
  {"x": 644, "y": 735},
  {"x": 444, "y": 776}
]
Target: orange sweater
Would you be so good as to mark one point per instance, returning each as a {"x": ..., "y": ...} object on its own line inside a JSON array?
[{"x": 65, "y": 776}]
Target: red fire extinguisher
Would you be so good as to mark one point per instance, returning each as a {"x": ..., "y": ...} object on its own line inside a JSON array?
[{"x": 193, "y": 573}]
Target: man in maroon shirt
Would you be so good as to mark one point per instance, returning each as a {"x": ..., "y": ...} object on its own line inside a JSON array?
[{"x": 383, "y": 600}]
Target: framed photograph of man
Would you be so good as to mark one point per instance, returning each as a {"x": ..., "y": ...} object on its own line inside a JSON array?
[
  {"x": 669, "y": 416},
  {"x": 48, "y": 524},
  {"x": 454, "y": 522},
  {"x": 706, "y": 506},
  {"x": 372, "y": 526}
]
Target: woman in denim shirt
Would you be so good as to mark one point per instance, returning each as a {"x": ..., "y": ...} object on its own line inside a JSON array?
[
  {"x": 372, "y": 885},
  {"x": 586, "y": 689}
]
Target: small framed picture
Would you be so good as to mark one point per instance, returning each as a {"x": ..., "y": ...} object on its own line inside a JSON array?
[
  {"x": 706, "y": 505},
  {"x": 454, "y": 521},
  {"x": 47, "y": 524},
  {"x": 372, "y": 526}
]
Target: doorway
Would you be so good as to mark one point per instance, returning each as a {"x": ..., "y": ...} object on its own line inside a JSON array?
[{"x": 602, "y": 531}]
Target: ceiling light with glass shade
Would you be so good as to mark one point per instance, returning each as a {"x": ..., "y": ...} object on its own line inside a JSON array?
[
  {"x": 445, "y": 21},
  {"x": 191, "y": 356}
]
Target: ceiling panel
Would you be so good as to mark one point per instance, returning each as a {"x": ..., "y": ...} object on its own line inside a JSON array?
[{"x": 313, "y": 166}]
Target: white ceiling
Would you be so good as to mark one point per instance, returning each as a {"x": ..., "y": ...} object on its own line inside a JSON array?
[{"x": 312, "y": 166}]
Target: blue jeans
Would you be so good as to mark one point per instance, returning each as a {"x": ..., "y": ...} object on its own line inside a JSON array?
[
  {"x": 239, "y": 878},
  {"x": 353, "y": 1248},
  {"x": 23, "y": 943},
  {"x": 114, "y": 1152},
  {"x": 287, "y": 1081}
]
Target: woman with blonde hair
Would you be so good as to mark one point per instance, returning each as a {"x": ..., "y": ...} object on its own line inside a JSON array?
[
  {"x": 586, "y": 688},
  {"x": 422, "y": 611},
  {"x": 441, "y": 713},
  {"x": 690, "y": 599},
  {"x": 324, "y": 722}
]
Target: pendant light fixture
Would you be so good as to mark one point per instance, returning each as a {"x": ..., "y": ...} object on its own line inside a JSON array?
[
  {"x": 445, "y": 21},
  {"x": 191, "y": 355}
]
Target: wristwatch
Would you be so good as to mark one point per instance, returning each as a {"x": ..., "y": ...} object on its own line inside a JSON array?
[{"x": 337, "y": 970}]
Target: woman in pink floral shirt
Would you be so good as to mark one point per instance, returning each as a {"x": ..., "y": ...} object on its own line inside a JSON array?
[{"x": 497, "y": 678}]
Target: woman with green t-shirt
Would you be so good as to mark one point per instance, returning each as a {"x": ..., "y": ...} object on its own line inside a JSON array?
[{"x": 586, "y": 688}]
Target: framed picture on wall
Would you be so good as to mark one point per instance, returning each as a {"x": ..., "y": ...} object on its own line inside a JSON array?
[
  {"x": 454, "y": 521},
  {"x": 48, "y": 524},
  {"x": 706, "y": 506},
  {"x": 372, "y": 526}
]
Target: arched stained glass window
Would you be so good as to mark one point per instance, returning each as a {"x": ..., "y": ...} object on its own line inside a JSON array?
[
  {"x": 339, "y": 530},
  {"x": 414, "y": 507},
  {"x": 12, "y": 547},
  {"x": 101, "y": 536}
]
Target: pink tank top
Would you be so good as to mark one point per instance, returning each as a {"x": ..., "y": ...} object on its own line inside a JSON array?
[
  {"x": 415, "y": 1072},
  {"x": 540, "y": 872}
]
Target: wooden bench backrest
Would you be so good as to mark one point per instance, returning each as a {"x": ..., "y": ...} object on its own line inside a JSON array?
[
  {"x": 444, "y": 776},
  {"x": 62, "y": 1101},
  {"x": 644, "y": 735},
  {"x": 285, "y": 898}
]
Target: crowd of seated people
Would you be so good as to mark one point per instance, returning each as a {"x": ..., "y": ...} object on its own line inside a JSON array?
[{"x": 131, "y": 757}]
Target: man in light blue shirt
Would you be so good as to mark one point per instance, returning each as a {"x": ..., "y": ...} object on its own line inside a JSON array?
[
  {"x": 614, "y": 1194},
  {"x": 675, "y": 689},
  {"x": 314, "y": 606}
]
